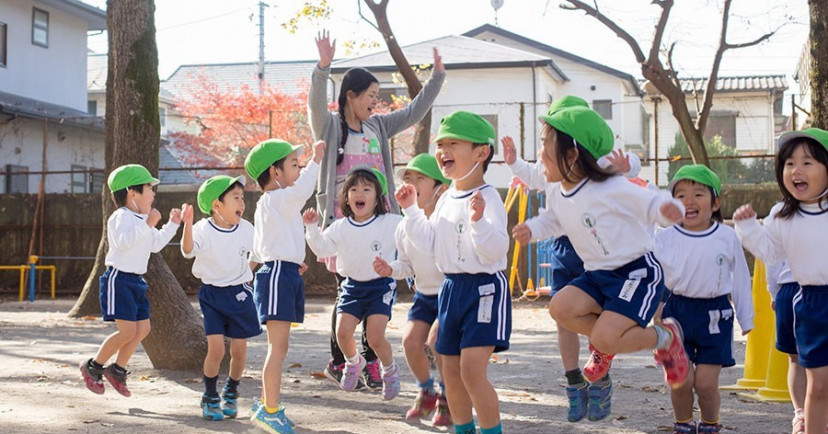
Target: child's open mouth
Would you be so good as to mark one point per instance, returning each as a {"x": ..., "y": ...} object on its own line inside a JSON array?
[
  {"x": 447, "y": 163},
  {"x": 239, "y": 214},
  {"x": 691, "y": 213},
  {"x": 360, "y": 204},
  {"x": 800, "y": 186}
]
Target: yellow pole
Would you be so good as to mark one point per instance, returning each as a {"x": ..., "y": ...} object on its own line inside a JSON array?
[
  {"x": 22, "y": 281},
  {"x": 523, "y": 199},
  {"x": 54, "y": 269},
  {"x": 761, "y": 338}
]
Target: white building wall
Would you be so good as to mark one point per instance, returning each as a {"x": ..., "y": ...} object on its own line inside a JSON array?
[{"x": 56, "y": 74}]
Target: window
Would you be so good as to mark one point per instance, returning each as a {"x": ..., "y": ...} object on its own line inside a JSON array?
[
  {"x": 17, "y": 183},
  {"x": 603, "y": 107},
  {"x": 387, "y": 95},
  {"x": 96, "y": 180},
  {"x": 724, "y": 125},
  {"x": 79, "y": 183},
  {"x": 92, "y": 107},
  {"x": 162, "y": 115},
  {"x": 40, "y": 27},
  {"x": 493, "y": 120},
  {"x": 3, "y": 44}
]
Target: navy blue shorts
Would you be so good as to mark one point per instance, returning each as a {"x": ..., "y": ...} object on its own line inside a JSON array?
[
  {"x": 363, "y": 299},
  {"x": 424, "y": 308},
  {"x": 632, "y": 290},
  {"x": 565, "y": 264},
  {"x": 708, "y": 328},
  {"x": 811, "y": 322},
  {"x": 123, "y": 296},
  {"x": 279, "y": 292},
  {"x": 785, "y": 335},
  {"x": 229, "y": 311},
  {"x": 475, "y": 311}
]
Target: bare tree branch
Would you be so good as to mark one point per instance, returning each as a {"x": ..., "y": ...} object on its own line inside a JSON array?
[
  {"x": 758, "y": 40},
  {"x": 665, "y": 5},
  {"x": 364, "y": 18},
  {"x": 621, "y": 33},
  {"x": 704, "y": 113}
]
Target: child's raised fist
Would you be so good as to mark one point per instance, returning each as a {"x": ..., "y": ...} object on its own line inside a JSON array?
[
  {"x": 381, "y": 267},
  {"x": 175, "y": 215},
  {"x": 153, "y": 218},
  {"x": 187, "y": 213},
  {"x": 744, "y": 212},
  {"x": 310, "y": 217},
  {"x": 671, "y": 212},
  {"x": 318, "y": 150},
  {"x": 406, "y": 195},
  {"x": 476, "y": 205}
]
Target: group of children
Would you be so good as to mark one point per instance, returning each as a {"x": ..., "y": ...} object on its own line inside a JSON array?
[{"x": 617, "y": 279}]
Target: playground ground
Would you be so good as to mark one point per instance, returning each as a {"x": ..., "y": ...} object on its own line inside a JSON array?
[{"x": 41, "y": 389}]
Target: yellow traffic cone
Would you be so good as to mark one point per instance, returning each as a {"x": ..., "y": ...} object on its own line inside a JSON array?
[
  {"x": 530, "y": 286},
  {"x": 761, "y": 338},
  {"x": 776, "y": 385}
]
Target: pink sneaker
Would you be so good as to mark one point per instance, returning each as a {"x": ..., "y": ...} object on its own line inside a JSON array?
[
  {"x": 351, "y": 374},
  {"x": 423, "y": 406},
  {"x": 442, "y": 417},
  {"x": 673, "y": 358},
  {"x": 598, "y": 365},
  {"x": 92, "y": 377},
  {"x": 391, "y": 384}
]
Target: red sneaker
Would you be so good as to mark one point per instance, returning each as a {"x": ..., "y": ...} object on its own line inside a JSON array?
[
  {"x": 117, "y": 378},
  {"x": 92, "y": 377},
  {"x": 673, "y": 358},
  {"x": 423, "y": 406},
  {"x": 442, "y": 417},
  {"x": 598, "y": 365}
]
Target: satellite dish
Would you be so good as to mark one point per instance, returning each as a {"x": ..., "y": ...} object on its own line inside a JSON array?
[{"x": 497, "y": 4}]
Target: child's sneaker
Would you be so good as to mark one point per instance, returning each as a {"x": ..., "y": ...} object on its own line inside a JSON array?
[
  {"x": 600, "y": 399},
  {"x": 257, "y": 403},
  {"x": 391, "y": 384},
  {"x": 442, "y": 417},
  {"x": 334, "y": 373},
  {"x": 272, "y": 422},
  {"x": 425, "y": 403},
  {"x": 229, "y": 405},
  {"x": 673, "y": 358},
  {"x": 577, "y": 402},
  {"x": 371, "y": 372},
  {"x": 705, "y": 427},
  {"x": 92, "y": 376},
  {"x": 798, "y": 422},
  {"x": 210, "y": 407},
  {"x": 598, "y": 365},
  {"x": 684, "y": 427},
  {"x": 351, "y": 374},
  {"x": 117, "y": 378}
]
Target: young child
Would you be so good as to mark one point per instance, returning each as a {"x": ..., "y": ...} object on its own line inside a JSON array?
[
  {"x": 356, "y": 135},
  {"x": 132, "y": 236},
  {"x": 783, "y": 288},
  {"x": 467, "y": 233},
  {"x": 704, "y": 266},
  {"x": 424, "y": 174},
  {"x": 797, "y": 230},
  {"x": 221, "y": 245},
  {"x": 365, "y": 233},
  {"x": 606, "y": 218},
  {"x": 278, "y": 289}
]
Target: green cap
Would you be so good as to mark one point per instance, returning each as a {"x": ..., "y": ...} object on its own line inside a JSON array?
[
  {"x": 263, "y": 155},
  {"x": 383, "y": 181},
  {"x": 214, "y": 187},
  {"x": 564, "y": 102},
  {"x": 698, "y": 173},
  {"x": 425, "y": 164},
  {"x": 463, "y": 125},
  {"x": 817, "y": 134},
  {"x": 130, "y": 175},
  {"x": 584, "y": 125}
]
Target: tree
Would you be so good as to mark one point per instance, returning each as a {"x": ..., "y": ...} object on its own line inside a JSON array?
[
  {"x": 133, "y": 136},
  {"x": 819, "y": 62},
  {"x": 663, "y": 74}
]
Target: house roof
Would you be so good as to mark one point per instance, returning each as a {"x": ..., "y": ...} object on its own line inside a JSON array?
[
  {"x": 168, "y": 160},
  {"x": 95, "y": 18},
  {"x": 291, "y": 77},
  {"x": 96, "y": 71},
  {"x": 752, "y": 83},
  {"x": 555, "y": 51},
  {"x": 460, "y": 52},
  {"x": 31, "y": 108}
]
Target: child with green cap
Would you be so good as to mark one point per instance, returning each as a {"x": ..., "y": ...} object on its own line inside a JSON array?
[
  {"x": 366, "y": 232},
  {"x": 704, "y": 267},
  {"x": 607, "y": 220},
  {"x": 221, "y": 245},
  {"x": 467, "y": 233},
  {"x": 132, "y": 237},
  {"x": 424, "y": 174},
  {"x": 797, "y": 230},
  {"x": 278, "y": 243}
]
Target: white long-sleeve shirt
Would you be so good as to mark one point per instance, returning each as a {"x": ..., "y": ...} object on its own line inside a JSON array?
[
  {"x": 777, "y": 275},
  {"x": 355, "y": 244},
  {"x": 131, "y": 240},
  {"x": 221, "y": 255},
  {"x": 416, "y": 263},
  {"x": 460, "y": 245},
  {"x": 279, "y": 234},
  {"x": 801, "y": 240},
  {"x": 706, "y": 264},
  {"x": 607, "y": 222}
]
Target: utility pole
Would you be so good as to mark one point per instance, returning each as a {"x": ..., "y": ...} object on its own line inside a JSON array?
[{"x": 262, "y": 6}]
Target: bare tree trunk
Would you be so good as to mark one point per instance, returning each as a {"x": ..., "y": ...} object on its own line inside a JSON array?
[
  {"x": 133, "y": 136},
  {"x": 819, "y": 63}
]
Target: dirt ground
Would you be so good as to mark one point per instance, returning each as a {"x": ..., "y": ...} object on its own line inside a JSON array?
[{"x": 41, "y": 389}]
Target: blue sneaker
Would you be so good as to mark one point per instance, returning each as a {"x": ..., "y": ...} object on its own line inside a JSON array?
[
  {"x": 228, "y": 405},
  {"x": 210, "y": 407},
  {"x": 600, "y": 400},
  {"x": 684, "y": 427},
  {"x": 258, "y": 403},
  {"x": 577, "y": 402},
  {"x": 272, "y": 422}
]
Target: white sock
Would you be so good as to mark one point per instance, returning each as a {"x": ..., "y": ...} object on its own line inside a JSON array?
[
  {"x": 352, "y": 360},
  {"x": 387, "y": 369}
]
